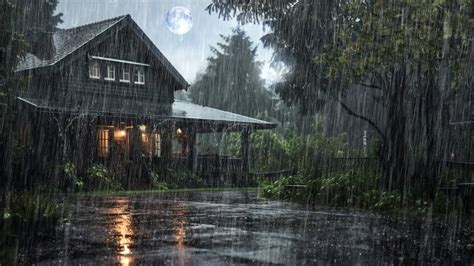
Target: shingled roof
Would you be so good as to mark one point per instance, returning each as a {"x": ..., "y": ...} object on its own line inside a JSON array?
[
  {"x": 69, "y": 41},
  {"x": 181, "y": 111}
]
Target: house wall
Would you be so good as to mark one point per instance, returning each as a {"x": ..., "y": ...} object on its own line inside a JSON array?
[{"x": 68, "y": 83}]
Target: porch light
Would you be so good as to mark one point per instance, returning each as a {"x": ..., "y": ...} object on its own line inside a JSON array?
[
  {"x": 179, "y": 131},
  {"x": 120, "y": 134},
  {"x": 142, "y": 128}
]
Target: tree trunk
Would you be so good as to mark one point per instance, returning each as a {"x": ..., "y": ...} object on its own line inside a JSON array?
[{"x": 394, "y": 155}]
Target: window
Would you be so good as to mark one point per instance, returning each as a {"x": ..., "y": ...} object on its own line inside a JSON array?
[
  {"x": 110, "y": 72},
  {"x": 151, "y": 144},
  {"x": 125, "y": 74},
  {"x": 94, "y": 70},
  {"x": 156, "y": 145},
  {"x": 139, "y": 76},
  {"x": 103, "y": 147}
]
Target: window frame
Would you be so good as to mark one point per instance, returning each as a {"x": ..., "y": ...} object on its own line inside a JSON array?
[
  {"x": 125, "y": 69},
  {"x": 94, "y": 67},
  {"x": 139, "y": 72},
  {"x": 110, "y": 69},
  {"x": 103, "y": 142}
]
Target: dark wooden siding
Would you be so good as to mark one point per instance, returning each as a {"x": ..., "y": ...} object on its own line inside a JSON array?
[{"x": 70, "y": 84}]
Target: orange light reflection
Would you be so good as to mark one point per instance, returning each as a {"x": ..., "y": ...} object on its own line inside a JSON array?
[{"x": 122, "y": 227}]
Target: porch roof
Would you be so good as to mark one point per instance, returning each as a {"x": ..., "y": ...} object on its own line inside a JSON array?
[{"x": 182, "y": 111}]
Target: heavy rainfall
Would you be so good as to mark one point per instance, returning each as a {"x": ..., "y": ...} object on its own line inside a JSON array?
[{"x": 212, "y": 132}]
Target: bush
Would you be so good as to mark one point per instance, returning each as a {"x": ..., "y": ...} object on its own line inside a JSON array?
[
  {"x": 70, "y": 177},
  {"x": 184, "y": 179},
  {"x": 156, "y": 182},
  {"x": 28, "y": 216},
  {"x": 99, "y": 178},
  {"x": 347, "y": 189},
  {"x": 279, "y": 189}
]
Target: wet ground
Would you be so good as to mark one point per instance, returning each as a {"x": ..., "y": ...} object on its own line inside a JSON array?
[{"x": 238, "y": 227}]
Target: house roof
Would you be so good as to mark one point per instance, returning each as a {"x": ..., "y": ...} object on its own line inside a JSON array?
[
  {"x": 70, "y": 41},
  {"x": 191, "y": 111},
  {"x": 181, "y": 111}
]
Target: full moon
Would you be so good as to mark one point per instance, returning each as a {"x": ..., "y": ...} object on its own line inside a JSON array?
[{"x": 179, "y": 20}]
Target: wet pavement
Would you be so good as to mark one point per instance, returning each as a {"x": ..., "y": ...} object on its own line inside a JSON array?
[{"x": 238, "y": 227}]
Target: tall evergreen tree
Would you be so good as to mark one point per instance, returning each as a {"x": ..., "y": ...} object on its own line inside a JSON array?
[
  {"x": 25, "y": 27},
  {"x": 232, "y": 80}
]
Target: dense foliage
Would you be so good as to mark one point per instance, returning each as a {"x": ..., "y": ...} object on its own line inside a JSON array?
[{"x": 409, "y": 56}]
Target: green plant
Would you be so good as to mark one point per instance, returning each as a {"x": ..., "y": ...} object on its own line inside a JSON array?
[
  {"x": 70, "y": 177},
  {"x": 27, "y": 215},
  {"x": 156, "y": 182},
  {"x": 100, "y": 178},
  {"x": 388, "y": 201},
  {"x": 184, "y": 179},
  {"x": 282, "y": 188}
]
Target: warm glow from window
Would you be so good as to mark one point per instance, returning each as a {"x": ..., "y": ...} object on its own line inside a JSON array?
[
  {"x": 94, "y": 70},
  {"x": 103, "y": 142},
  {"x": 151, "y": 144},
  {"x": 120, "y": 134}
]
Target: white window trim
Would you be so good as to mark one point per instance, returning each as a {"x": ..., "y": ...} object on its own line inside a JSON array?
[
  {"x": 129, "y": 74},
  {"x": 107, "y": 77},
  {"x": 138, "y": 75},
  {"x": 92, "y": 66}
]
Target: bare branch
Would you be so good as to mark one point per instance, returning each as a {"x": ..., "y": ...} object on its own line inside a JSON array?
[
  {"x": 371, "y": 86},
  {"x": 359, "y": 116}
]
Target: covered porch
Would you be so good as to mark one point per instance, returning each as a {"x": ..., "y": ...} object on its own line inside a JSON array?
[{"x": 167, "y": 141}]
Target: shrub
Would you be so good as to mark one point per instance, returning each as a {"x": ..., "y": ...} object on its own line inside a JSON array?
[
  {"x": 280, "y": 189},
  {"x": 100, "y": 178},
  {"x": 70, "y": 177},
  {"x": 156, "y": 182},
  {"x": 184, "y": 179},
  {"x": 28, "y": 216}
]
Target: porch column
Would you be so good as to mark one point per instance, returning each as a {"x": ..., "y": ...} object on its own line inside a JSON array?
[
  {"x": 245, "y": 149},
  {"x": 192, "y": 157}
]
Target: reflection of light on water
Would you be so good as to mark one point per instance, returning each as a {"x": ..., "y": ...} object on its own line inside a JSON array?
[
  {"x": 180, "y": 233},
  {"x": 122, "y": 227}
]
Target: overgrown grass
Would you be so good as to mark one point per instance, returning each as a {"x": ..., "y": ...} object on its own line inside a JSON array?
[
  {"x": 25, "y": 215},
  {"x": 352, "y": 189}
]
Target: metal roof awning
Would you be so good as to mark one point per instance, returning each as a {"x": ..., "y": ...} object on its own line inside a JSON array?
[{"x": 181, "y": 111}]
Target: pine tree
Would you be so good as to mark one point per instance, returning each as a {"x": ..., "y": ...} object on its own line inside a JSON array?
[{"x": 232, "y": 80}]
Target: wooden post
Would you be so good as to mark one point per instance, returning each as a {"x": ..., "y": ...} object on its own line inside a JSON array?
[
  {"x": 192, "y": 156},
  {"x": 245, "y": 149},
  {"x": 166, "y": 148}
]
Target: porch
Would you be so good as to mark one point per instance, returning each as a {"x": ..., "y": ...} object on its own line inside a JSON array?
[{"x": 147, "y": 135}]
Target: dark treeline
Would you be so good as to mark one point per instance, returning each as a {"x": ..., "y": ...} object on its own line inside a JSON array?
[
  {"x": 26, "y": 27},
  {"x": 394, "y": 65}
]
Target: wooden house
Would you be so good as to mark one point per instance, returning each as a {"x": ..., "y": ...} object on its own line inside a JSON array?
[{"x": 106, "y": 94}]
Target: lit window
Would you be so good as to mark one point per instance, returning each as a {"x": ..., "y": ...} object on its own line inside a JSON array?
[
  {"x": 157, "y": 145},
  {"x": 139, "y": 76},
  {"x": 125, "y": 75},
  {"x": 110, "y": 72},
  {"x": 94, "y": 71},
  {"x": 151, "y": 144},
  {"x": 103, "y": 147}
]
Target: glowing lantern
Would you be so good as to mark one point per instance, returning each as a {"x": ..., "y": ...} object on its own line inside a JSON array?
[{"x": 120, "y": 134}]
